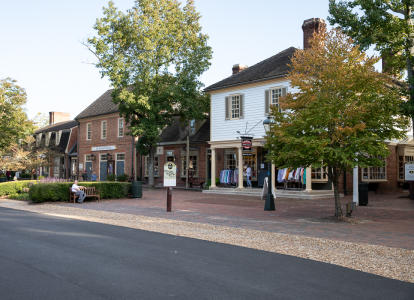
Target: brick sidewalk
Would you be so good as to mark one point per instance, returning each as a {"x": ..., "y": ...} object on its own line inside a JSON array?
[{"x": 388, "y": 219}]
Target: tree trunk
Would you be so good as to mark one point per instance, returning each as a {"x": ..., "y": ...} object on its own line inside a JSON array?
[
  {"x": 333, "y": 174},
  {"x": 151, "y": 168},
  {"x": 409, "y": 49},
  {"x": 187, "y": 159}
]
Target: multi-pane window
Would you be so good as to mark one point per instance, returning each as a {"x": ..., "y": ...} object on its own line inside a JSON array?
[
  {"x": 88, "y": 157},
  {"x": 120, "y": 156},
  {"x": 230, "y": 160},
  {"x": 235, "y": 106},
  {"x": 374, "y": 174},
  {"x": 156, "y": 166},
  {"x": 193, "y": 167},
  {"x": 275, "y": 94},
  {"x": 89, "y": 131},
  {"x": 104, "y": 157},
  {"x": 320, "y": 174},
  {"x": 120, "y": 127},
  {"x": 103, "y": 130}
]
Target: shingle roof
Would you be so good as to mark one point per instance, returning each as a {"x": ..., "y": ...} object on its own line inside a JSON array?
[
  {"x": 57, "y": 126},
  {"x": 101, "y": 106},
  {"x": 177, "y": 132},
  {"x": 272, "y": 67}
]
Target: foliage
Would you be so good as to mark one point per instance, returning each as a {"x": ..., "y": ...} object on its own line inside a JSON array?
[
  {"x": 13, "y": 120},
  {"x": 123, "y": 177},
  {"x": 22, "y": 196},
  {"x": 40, "y": 120},
  {"x": 14, "y": 187},
  {"x": 24, "y": 156},
  {"x": 111, "y": 177},
  {"x": 59, "y": 191},
  {"x": 153, "y": 55},
  {"x": 386, "y": 24},
  {"x": 342, "y": 112}
]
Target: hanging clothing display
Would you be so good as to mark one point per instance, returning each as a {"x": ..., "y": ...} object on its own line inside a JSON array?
[
  {"x": 291, "y": 175},
  {"x": 229, "y": 177}
]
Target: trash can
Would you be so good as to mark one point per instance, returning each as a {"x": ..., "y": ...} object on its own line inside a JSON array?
[
  {"x": 136, "y": 189},
  {"x": 363, "y": 193}
]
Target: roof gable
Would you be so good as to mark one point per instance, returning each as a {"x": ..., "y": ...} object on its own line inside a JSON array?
[
  {"x": 272, "y": 67},
  {"x": 101, "y": 106}
]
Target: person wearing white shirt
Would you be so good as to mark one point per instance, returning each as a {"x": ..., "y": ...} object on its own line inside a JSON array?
[
  {"x": 249, "y": 176},
  {"x": 78, "y": 192}
]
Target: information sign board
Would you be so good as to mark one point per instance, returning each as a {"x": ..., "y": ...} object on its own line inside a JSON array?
[
  {"x": 170, "y": 173},
  {"x": 409, "y": 171}
]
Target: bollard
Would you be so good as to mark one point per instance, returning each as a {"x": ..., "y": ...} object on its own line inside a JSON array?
[{"x": 169, "y": 196}]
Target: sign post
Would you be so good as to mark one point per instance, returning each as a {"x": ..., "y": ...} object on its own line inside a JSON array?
[
  {"x": 170, "y": 180},
  {"x": 409, "y": 176}
]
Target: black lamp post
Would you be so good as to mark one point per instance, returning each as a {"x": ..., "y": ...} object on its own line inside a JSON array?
[{"x": 270, "y": 202}]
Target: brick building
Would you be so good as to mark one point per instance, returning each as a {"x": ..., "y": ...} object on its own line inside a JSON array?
[
  {"x": 104, "y": 147},
  {"x": 59, "y": 138},
  {"x": 173, "y": 147}
]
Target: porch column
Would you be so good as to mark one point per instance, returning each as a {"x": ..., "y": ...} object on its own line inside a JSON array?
[
  {"x": 355, "y": 197},
  {"x": 240, "y": 157},
  {"x": 273, "y": 178},
  {"x": 213, "y": 168},
  {"x": 308, "y": 179}
]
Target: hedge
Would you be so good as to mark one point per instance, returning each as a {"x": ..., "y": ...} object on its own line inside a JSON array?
[
  {"x": 59, "y": 191},
  {"x": 14, "y": 187}
]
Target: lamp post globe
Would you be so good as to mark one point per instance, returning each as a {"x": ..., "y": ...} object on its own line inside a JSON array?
[{"x": 270, "y": 202}]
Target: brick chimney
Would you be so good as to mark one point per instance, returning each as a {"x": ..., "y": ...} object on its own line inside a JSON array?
[
  {"x": 56, "y": 117},
  {"x": 238, "y": 68},
  {"x": 310, "y": 26}
]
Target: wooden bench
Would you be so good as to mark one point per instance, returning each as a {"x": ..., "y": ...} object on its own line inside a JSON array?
[{"x": 89, "y": 192}]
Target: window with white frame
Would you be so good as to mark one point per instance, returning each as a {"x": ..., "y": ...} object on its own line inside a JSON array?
[
  {"x": 156, "y": 166},
  {"x": 275, "y": 95},
  {"x": 230, "y": 160},
  {"x": 374, "y": 173},
  {"x": 103, "y": 130},
  {"x": 402, "y": 160},
  {"x": 120, "y": 127},
  {"x": 235, "y": 106},
  {"x": 193, "y": 167},
  {"x": 320, "y": 174},
  {"x": 88, "y": 131},
  {"x": 88, "y": 157},
  {"x": 120, "y": 164}
]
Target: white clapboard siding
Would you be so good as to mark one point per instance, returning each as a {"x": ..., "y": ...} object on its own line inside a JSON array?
[{"x": 254, "y": 112}]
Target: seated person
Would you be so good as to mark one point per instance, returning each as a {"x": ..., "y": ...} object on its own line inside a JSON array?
[{"x": 76, "y": 189}]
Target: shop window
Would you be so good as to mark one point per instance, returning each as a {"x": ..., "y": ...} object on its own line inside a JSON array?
[
  {"x": 250, "y": 160},
  {"x": 402, "y": 160},
  {"x": 193, "y": 165},
  {"x": 230, "y": 160},
  {"x": 156, "y": 166},
  {"x": 374, "y": 174},
  {"x": 320, "y": 174}
]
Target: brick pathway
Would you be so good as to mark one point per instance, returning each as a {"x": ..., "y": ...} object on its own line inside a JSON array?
[{"x": 388, "y": 219}]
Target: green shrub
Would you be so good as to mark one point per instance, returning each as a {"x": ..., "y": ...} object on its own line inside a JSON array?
[
  {"x": 14, "y": 187},
  {"x": 59, "y": 191},
  {"x": 111, "y": 177},
  {"x": 22, "y": 196},
  {"x": 122, "y": 177}
]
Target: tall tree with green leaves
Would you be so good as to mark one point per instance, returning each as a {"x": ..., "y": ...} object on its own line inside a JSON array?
[
  {"x": 14, "y": 123},
  {"x": 389, "y": 26},
  {"x": 153, "y": 55},
  {"x": 341, "y": 114}
]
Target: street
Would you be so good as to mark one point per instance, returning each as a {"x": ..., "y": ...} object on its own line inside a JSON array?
[{"x": 43, "y": 257}]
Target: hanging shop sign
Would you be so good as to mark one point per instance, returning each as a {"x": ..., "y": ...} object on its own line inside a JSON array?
[
  {"x": 170, "y": 173},
  {"x": 246, "y": 142}
]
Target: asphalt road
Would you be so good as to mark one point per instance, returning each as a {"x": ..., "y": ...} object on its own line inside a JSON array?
[{"x": 44, "y": 257}]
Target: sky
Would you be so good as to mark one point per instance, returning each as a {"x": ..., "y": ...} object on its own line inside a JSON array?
[{"x": 41, "y": 43}]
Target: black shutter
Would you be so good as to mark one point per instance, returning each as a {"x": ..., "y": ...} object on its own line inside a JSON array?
[
  {"x": 267, "y": 101},
  {"x": 241, "y": 106},
  {"x": 226, "y": 100}
]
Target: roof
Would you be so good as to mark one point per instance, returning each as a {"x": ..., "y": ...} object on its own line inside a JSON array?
[
  {"x": 273, "y": 67},
  {"x": 58, "y": 126},
  {"x": 101, "y": 106},
  {"x": 177, "y": 132}
]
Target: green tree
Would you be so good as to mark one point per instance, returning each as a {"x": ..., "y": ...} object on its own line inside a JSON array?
[
  {"x": 40, "y": 120},
  {"x": 342, "y": 113},
  {"x": 13, "y": 120},
  {"x": 387, "y": 24},
  {"x": 153, "y": 55}
]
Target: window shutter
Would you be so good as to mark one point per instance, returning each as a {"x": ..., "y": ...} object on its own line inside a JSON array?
[
  {"x": 241, "y": 106},
  {"x": 284, "y": 92},
  {"x": 267, "y": 99},
  {"x": 227, "y": 104}
]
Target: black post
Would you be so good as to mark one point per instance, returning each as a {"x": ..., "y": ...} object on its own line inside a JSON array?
[
  {"x": 169, "y": 196},
  {"x": 270, "y": 202}
]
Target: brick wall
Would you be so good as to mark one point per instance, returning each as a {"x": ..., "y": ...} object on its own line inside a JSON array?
[{"x": 122, "y": 144}]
